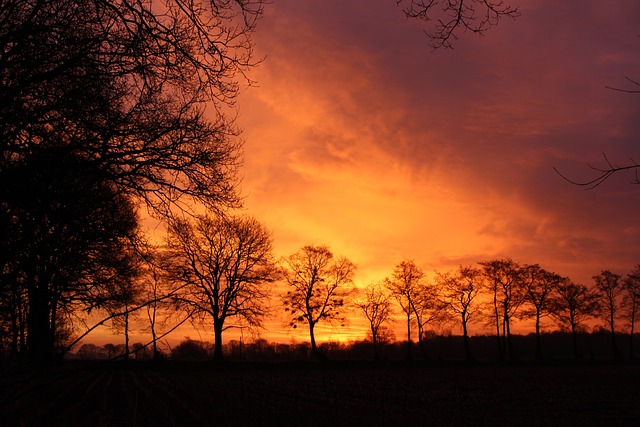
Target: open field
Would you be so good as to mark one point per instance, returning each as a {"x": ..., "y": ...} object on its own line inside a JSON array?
[{"x": 201, "y": 394}]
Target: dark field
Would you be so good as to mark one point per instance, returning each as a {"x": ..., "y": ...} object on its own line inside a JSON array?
[{"x": 197, "y": 394}]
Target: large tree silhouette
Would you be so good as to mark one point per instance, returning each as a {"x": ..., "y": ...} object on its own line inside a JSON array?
[
  {"x": 134, "y": 92},
  {"x": 226, "y": 265},
  {"x": 126, "y": 86},
  {"x": 69, "y": 241},
  {"x": 318, "y": 285}
]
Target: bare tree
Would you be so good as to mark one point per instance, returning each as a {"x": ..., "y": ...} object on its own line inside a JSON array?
[
  {"x": 152, "y": 288},
  {"x": 428, "y": 310},
  {"x": 631, "y": 303},
  {"x": 458, "y": 291},
  {"x": 129, "y": 96},
  {"x": 404, "y": 285},
  {"x": 126, "y": 295},
  {"x": 571, "y": 306},
  {"x": 452, "y": 17},
  {"x": 503, "y": 277},
  {"x": 375, "y": 304},
  {"x": 161, "y": 295},
  {"x": 71, "y": 236},
  {"x": 126, "y": 84},
  {"x": 610, "y": 288},
  {"x": 226, "y": 265},
  {"x": 317, "y": 293},
  {"x": 539, "y": 287}
]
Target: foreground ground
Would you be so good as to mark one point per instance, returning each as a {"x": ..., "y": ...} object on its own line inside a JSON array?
[{"x": 99, "y": 394}]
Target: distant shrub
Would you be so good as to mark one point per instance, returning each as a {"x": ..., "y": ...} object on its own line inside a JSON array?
[
  {"x": 91, "y": 352},
  {"x": 191, "y": 350}
]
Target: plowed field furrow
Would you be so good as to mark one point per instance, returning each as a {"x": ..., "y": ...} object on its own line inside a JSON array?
[{"x": 236, "y": 395}]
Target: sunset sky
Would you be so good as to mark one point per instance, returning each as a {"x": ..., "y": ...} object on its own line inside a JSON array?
[{"x": 361, "y": 137}]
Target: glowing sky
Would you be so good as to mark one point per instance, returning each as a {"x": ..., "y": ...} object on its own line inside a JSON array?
[{"x": 360, "y": 137}]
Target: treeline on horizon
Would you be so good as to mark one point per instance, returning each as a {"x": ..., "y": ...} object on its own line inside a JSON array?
[
  {"x": 99, "y": 123},
  {"x": 197, "y": 276},
  {"x": 594, "y": 347}
]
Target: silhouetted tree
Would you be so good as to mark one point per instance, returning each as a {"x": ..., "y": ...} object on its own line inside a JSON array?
[
  {"x": 375, "y": 304},
  {"x": 141, "y": 352},
  {"x": 129, "y": 96},
  {"x": 125, "y": 295},
  {"x": 111, "y": 350},
  {"x": 428, "y": 310},
  {"x": 504, "y": 281},
  {"x": 225, "y": 264},
  {"x": 190, "y": 350},
  {"x": 91, "y": 352},
  {"x": 122, "y": 89},
  {"x": 610, "y": 288},
  {"x": 458, "y": 291},
  {"x": 539, "y": 287},
  {"x": 71, "y": 237},
  {"x": 631, "y": 303},
  {"x": 404, "y": 285},
  {"x": 454, "y": 16},
  {"x": 317, "y": 291},
  {"x": 571, "y": 306},
  {"x": 159, "y": 295}
]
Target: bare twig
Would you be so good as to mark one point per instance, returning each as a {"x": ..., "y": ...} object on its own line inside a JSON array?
[
  {"x": 603, "y": 174},
  {"x": 451, "y": 17},
  {"x": 626, "y": 90}
]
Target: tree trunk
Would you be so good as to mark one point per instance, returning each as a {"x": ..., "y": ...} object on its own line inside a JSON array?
[
  {"x": 374, "y": 337},
  {"x": 15, "y": 351},
  {"x": 421, "y": 344},
  {"x": 314, "y": 347},
  {"x": 574, "y": 336},
  {"x": 154, "y": 342},
  {"x": 504, "y": 351},
  {"x": 22, "y": 329},
  {"x": 151, "y": 313},
  {"x": 465, "y": 337},
  {"x": 127, "y": 352},
  {"x": 614, "y": 345},
  {"x": 217, "y": 345},
  {"x": 39, "y": 344},
  {"x": 633, "y": 324},
  {"x": 507, "y": 333},
  {"x": 538, "y": 341},
  {"x": 510, "y": 352},
  {"x": 409, "y": 354},
  {"x": 497, "y": 316}
]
